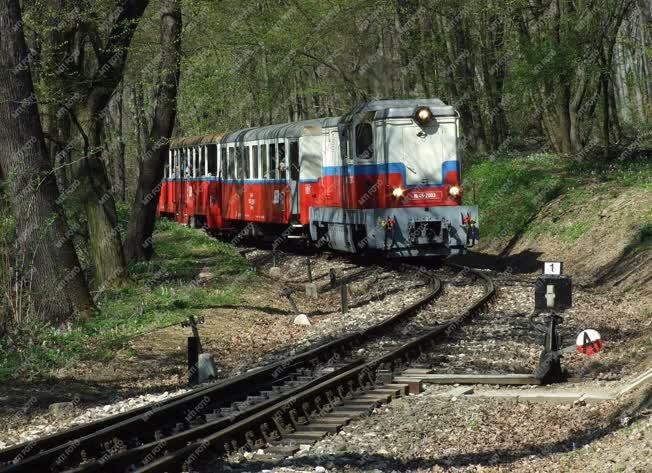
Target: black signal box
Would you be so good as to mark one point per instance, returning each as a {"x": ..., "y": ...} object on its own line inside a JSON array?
[{"x": 553, "y": 289}]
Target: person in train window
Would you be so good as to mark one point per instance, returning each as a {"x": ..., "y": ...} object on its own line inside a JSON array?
[
  {"x": 187, "y": 171},
  {"x": 282, "y": 166}
]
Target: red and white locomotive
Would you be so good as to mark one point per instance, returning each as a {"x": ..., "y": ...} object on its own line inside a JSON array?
[{"x": 385, "y": 177}]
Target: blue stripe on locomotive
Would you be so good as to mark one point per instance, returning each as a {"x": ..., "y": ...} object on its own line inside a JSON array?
[{"x": 355, "y": 170}]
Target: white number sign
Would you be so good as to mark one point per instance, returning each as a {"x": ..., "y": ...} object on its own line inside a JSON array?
[{"x": 552, "y": 268}]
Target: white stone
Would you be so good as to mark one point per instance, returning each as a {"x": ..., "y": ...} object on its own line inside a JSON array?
[
  {"x": 301, "y": 319},
  {"x": 320, "y": 469}
]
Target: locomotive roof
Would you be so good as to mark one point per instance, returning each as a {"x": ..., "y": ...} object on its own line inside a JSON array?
[
  {"x": 383, "y": 108},
  {"x": 401, "y": 108}
]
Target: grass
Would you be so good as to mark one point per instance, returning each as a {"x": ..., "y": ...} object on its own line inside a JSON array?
[
  {"x": 161, "y": 292},
  {"x": 511, "y": 189}
]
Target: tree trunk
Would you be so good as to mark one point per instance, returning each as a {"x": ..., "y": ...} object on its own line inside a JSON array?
[
  {"x": 122, "y": 174},
  {"x": 105, "y": 242},
  {"x": 104, "y": 239},
  {"x": 143, "y": 213},
  {"x": 46, "y": 256}
]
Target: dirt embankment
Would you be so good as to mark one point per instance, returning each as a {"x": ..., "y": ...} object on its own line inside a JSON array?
[{"x": 601, "y": 234}]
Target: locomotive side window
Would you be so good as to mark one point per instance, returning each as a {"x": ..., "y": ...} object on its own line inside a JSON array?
[
  {"x": 254, "y": 157},
  {"x": 364, "y": 141},
  {"x": 199, "y": 168},
  {"x": 272, "y": 159},
  {"x": 263, "y": 158},
  {"x": 212, "y": 160}
]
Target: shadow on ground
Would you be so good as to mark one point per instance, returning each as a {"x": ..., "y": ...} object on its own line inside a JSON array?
[{"x": 526, "y": 261}]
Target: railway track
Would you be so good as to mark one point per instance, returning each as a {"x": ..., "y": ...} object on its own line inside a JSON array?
[
  {"x": 122, "y": 441},
  {"x": 318, "y": 410}
]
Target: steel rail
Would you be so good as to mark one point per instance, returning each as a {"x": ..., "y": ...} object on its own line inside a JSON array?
[
  {"x": 313, "y": 402},
  {"x": 67, "y": 446}
]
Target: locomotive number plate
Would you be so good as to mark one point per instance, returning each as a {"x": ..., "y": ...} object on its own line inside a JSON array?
[{"x": 430, "y": 195}]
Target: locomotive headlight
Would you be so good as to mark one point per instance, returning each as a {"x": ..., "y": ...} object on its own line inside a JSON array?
[
  {"x": 454, "y": 191},
  {"x": 398, "y": 192},
  {"x": 423, "y": 115}
]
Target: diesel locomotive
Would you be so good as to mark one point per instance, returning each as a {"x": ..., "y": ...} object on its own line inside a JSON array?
[{"x": 386, "y": 177}]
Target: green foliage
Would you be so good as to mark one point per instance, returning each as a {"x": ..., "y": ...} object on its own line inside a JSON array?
[
  {"x": 163, "y": 291},
  {"x": 7, "y": 230},
  {"x": 512, "y": 188},
  {"x": 509, "y": 191}
]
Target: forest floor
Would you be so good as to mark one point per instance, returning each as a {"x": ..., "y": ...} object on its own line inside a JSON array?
[{"x": 533, "y": 208}]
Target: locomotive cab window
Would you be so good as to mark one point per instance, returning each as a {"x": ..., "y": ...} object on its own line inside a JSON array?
[{"x": 364, "y": 141}]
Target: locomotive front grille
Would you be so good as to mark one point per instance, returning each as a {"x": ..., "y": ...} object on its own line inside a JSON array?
[{"x": 426, "y": 232}]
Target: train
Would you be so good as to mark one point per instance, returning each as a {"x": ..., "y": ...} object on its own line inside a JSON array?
[{"x": 385, "y": 177}]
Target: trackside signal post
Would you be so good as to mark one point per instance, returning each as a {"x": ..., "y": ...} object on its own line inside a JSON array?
[
  {"x": 194, "y": 349},
  {"x": 552, "y": 294}
]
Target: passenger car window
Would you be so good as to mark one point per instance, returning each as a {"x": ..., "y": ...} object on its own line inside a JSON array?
[
  {"x": 272, "y": 161},
  {"x": 364, "y": 145},
  {"x": 247, "y": 164},
  {"x": 282, "y": 162},
  {"x": 263, "y": 157},
  {"x": 223, "y": 163},
  {"x": 212, "y": 160},
  {"x": 231, "y": 161},
  {"x": 254, "y": 156}
]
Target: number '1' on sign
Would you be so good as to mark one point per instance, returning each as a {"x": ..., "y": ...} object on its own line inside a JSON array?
[{"x": 552, "y": 268}]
